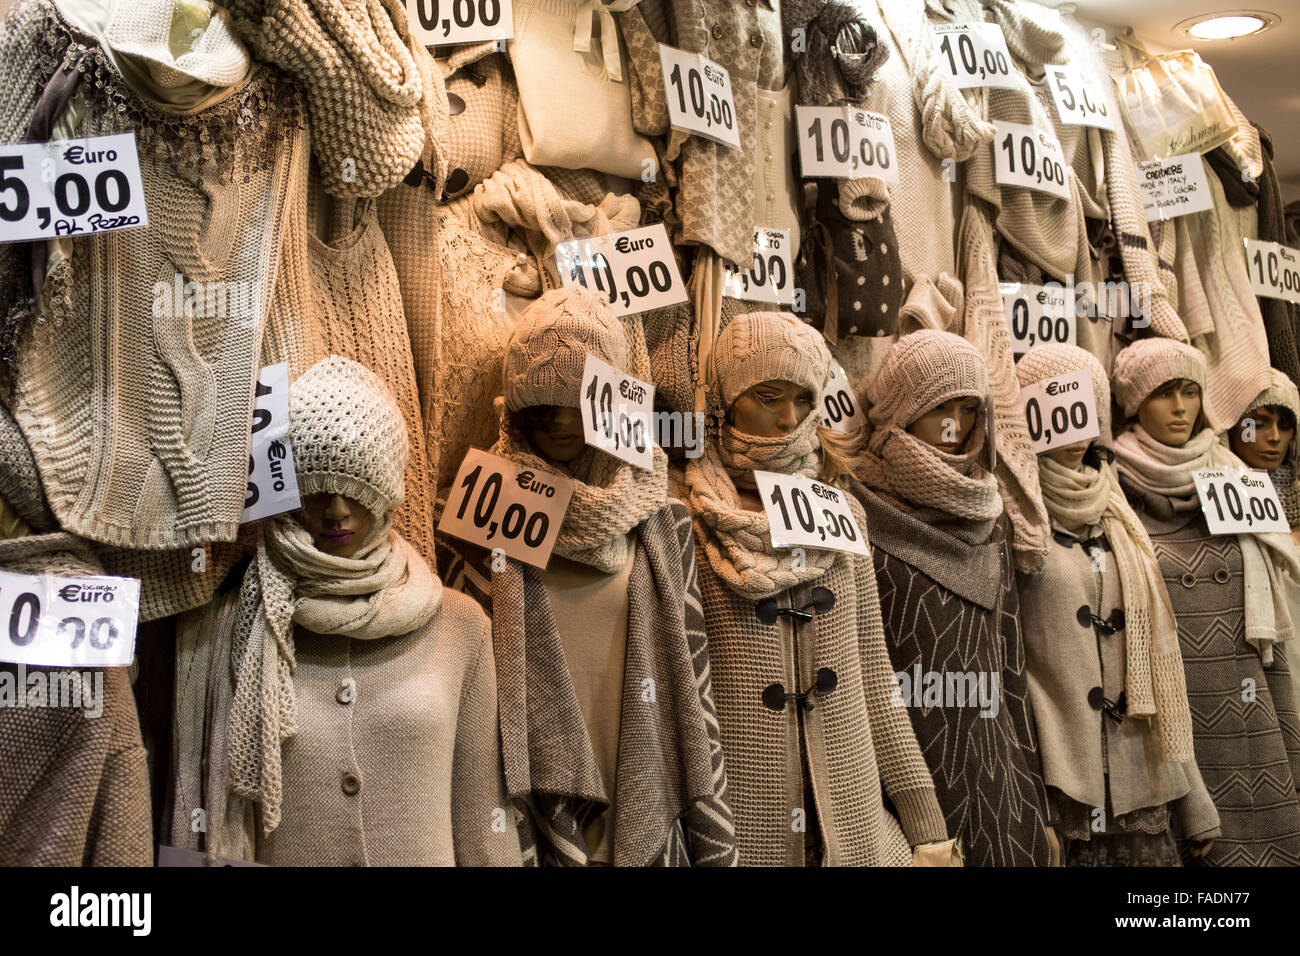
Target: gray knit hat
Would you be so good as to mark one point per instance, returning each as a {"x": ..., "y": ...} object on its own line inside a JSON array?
[
  {"x": 1048, "y": 361},
  {"x": 549, "y": 347},
  {"x": 1144, "y": 366},
  {"x": 768, "y": 346},
  {"x": 348, "y": 435}
]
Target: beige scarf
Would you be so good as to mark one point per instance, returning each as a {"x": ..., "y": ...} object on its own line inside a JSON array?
[
  {"x": 387, "y": 589},
  {"x": 737, "y": 541},
  {"x": 1154, "y": 683},
  {"x": 611, "y": 498},
  {"x": 1159, "y": 469}
]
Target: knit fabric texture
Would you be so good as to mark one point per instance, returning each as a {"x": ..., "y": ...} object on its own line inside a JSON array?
[
  {"x": 1281, "y": 392},
  {"x": 482, "y": 133},
  {"x": 20, "y": 481},
  {"x": 1147, "y": 364},
  {"x": 768, "y": 346}
]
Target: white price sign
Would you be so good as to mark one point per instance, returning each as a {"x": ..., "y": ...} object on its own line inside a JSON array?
[
  {"x": 68, "y": 622},
  {"x": 1274, "y": 270},
  {"x": 70, "y": 187},
  {"x": 1030, "y": 158},
  {"x": 845, "y": 143},
  {"x": 802, "y": 512},
  {"x": 1239, "y": 502},
  {"x": 1036, "y": 315},
  {"x": 1060, "y": 411},
  {"x": 1174, "y": 186},
  {"x": 447, "y": 22},
  {"x": 771, "y": 276},
  {"x": 839, "y": 408},
  {"x": 498, "y": 503},
  {"x": 617, "y": 416},
  {"x": 699, "y": 96},
  {"x": 635, "y": 269},
  {"x": 975, "y": 55},
  {"x": 272, "y": 479},
  {"x": 1080, "y": 99}
]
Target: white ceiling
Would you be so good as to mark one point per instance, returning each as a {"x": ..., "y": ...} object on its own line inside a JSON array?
[{"x": 1259, "y": 73}]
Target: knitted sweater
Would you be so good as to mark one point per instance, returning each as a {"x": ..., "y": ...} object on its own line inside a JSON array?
[{"x": 139, "y": 422}]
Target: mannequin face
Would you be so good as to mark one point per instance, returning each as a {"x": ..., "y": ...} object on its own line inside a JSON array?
[
  {"x": 1169, "y": 413},
  {"x": 555, "y": 431},
  {"x": 1070, "y": 456},
  {"x": 947, "y": 426},
  {"x": 338, "y": 525},
  {"x": 771, "y": 409},
  {"x": 1263, "y": 437}
]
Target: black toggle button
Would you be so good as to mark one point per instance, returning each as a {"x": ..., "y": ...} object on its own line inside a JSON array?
[
  {"x": 1096, "y": 699},
  {"x": 775, "y": 696},
  {"x": 1084, "y": 616}
]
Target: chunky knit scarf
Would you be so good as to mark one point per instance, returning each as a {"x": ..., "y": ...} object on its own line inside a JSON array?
[
  {"x": 843, "y": 51},
  {"x": 387, "y": 589},
  {"x": 737, "y": 541},
  {"x": 611, "y": 498},
  {"x": 1157, "y": 469},
  {"x": 1284, "y": 480},
  {"x": 1154, "y": 683}
]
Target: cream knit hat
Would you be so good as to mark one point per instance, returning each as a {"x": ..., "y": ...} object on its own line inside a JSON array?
[
  {"x": 1047, "y": 361},
  {"x": 550, "y": 344},
  {"x": 768, "y": 346},
  {"x": 348, "y": 435},
  {"x": 1147, "y": 364},
  {"x": 922, "y": 370},
  {"x": 1280, "y": 391}
]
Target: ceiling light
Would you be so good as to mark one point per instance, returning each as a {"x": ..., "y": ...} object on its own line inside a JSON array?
[{"x": 1228, "y": 25}]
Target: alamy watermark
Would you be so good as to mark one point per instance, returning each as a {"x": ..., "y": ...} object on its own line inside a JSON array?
[
  {"x": 917, "y": 688},
  {"x": 213, "y": 300},
  {"x": 45, "y": 687}
]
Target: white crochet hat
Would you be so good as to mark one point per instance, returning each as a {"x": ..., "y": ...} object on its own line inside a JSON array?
[
  {"x": 550, "y": 344},
  {"x": 1048, "y": 361},
  {"x": 764, "y": 347},
  {"x": 922, "y": 370},
  {"x": 348, "y": 435},
  {"x": 1144, "y": 366}
]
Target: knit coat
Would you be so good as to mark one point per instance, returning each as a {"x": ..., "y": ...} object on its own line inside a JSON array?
[{"x": 953, "y": 608}]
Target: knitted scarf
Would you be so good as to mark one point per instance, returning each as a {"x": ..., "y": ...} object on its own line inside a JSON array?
[
  {"x": 1284, "y": 480},
  {"x": 1154, "y": 683},
  {"x": 738, "y": 542},
  {"x": 386, "y": 589},
  {"x": 1157, "y": 469},
  {"x": 610, "y": 498}
]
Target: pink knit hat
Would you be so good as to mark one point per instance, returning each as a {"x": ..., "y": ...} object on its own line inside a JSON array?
[{"x": 1144, "y": 366}]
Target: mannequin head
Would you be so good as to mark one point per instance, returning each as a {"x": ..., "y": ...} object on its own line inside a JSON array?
[
  {"x": 771, "y": 409},
  {"x": 1070, "y": 456},
  {"x": 338, "y": 525},
  {"x": 768, "y": 369},
  {"x": 554, "y": 431},
  {"x": 1172, "y": 413},
  {"x": 948, "y": 425},
  {"x": 1050, "y": 361},
  {"x": 1263, "y": 436}
]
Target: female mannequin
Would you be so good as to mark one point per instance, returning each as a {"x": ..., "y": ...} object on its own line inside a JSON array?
[
  {"x": 1264, "y": 438},
  {"x": 805, "y": 780},
  {"x": 611, "y": 745},
  {"x": 1229, "y": 600},
  {"x": 362, "y": 722},
  {"x": 1098, "y": 617},
  {"x": 941, "y": 547}
]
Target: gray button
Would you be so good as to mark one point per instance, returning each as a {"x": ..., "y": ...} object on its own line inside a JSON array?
[{"x": 351, "y": 783}]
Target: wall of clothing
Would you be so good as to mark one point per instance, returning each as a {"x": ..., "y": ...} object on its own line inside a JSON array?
[{"x": 314, "y": 359}]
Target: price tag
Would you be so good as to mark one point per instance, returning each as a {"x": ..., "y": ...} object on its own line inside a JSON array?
[
  {"x": 497, "y": 503},
  {"x": 1080, "y": 100},
  {"x": 839, "y": 408},
  {"x": 699, "y": 96},
  {"x": 272, "y": 480},
  {"x": 1060, "y": 411},
  {"x": 975, "y": 55},
  {"x": 1030, "y": 158},
  {"x": 1174, "y": 186},
  {"x": 802, "y": 512},
  {"x": 617, "y": 416},
  {"x": 1036, "y": 315},
  {"x": 771, "y": 278},
  {"x": 70, "y": 187},
  {"x": 1239, "y": 502},
  {"x": 447, "y": 22},
  {"x": 1274, "y": 270},
  {"x": 68, "y": 621},
  {"x": 845, "y": 143},
  {"x": 635, "y": 269}
]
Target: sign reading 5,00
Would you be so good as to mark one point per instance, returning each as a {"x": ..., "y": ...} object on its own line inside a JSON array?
[
  {"x": 68, "y": 622},
  {"x": 801, "y": 511}
]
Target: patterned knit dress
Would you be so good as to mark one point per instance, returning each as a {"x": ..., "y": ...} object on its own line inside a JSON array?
[{"x": 1244, "y": 724}]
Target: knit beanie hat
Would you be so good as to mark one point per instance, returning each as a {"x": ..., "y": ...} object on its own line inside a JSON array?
[
  {"x": 348, "y": 435},
  {"x": 1147, "y": 364},
  {"x": 550, "y": 344},
  {"x": 1279, "y": 391},
  {"x": 1048, "y": 361},
  {"x": 925, "y": 369},
  {"x": 768, "y": 346}
]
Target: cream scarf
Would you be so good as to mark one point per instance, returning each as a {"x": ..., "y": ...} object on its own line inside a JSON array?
[
  {"x": 611, "y": 498},
  {"x": 1159, "y": 469},
  {"x": 1154, "y": 682},
  {"x": 387, "y": 589},
  {"x": 737, "y": 541}
]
